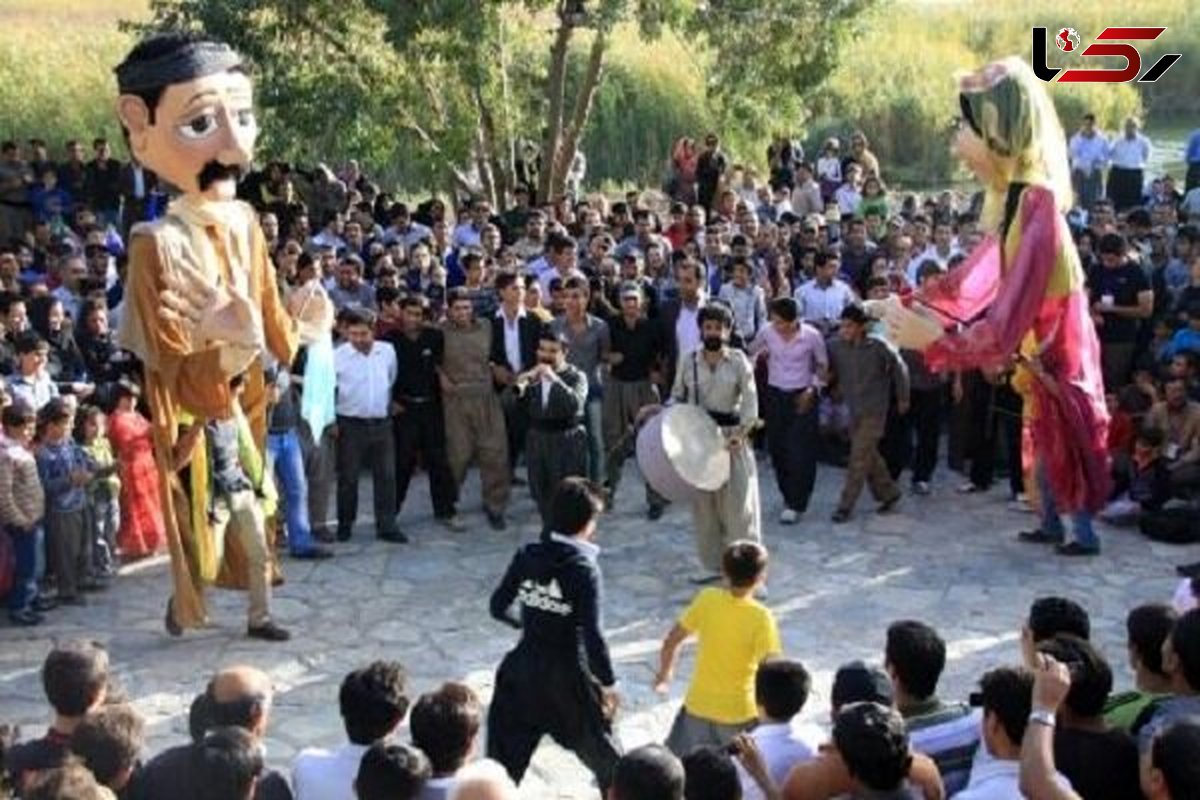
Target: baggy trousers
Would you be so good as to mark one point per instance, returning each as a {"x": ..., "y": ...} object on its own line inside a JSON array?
[
  {"x": 866, "y": 464},
  {"x": 540, "y": 691},
  {"x": 551, "y": 456},
  {"x": 475, "y": 427},
  {"x": 240, "y": 514},
  {"x": 622, "y": 401},
  {"x": 730, "y": 513}
]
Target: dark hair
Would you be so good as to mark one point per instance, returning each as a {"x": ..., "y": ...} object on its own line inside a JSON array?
[
  {"x": 1112, "y": 243},
  {"x": 457, "y": 295},
  {"x": 391, "y": 772},
  {"x": 715, "y": 312},
  {"x": 691, "y": 264},
  {"x": 227, "y": 762},
  {"x": 1176, "y": 754},
  {"x": 558, "y": 242},
  {"x": 109, "y": 741},
  {"x": 29, "y": 342},
  {"x": 1007, "y": 692},
  {"x": 444, "y": 724},
  {"x": 1185, "y": 641},
  {"x": 1147, "y": 627},
  {"x": 786, "y": 308},
  {"x": 548, "y": 333},
  {"x": 743, "y": 562},
  {"x": 74, "y": 675},
  {"x": 873, "y": 742},
  {"x": 355, "y": 315},
  {"x": 387, "y": 294},
  {"x": 918, "y": 656},
  {"x": 152, "y": 48},
  {"x": 353, "y": 260},
  {"x": 71, "y": 780},
  {"x": 17, "y": 414},
  {"x": 505, "y": 279},
  {"x": 372, "y": 701},
  {"x": 651, "y": 772},
  {"x": 1051, "y": 615},
  {"x": 781, "y": 687},
  {"x": 576, "y": 283},
  {"x": 575, "y": 503},
  {"x": 823, "y": 257},
  {"x": 709, "y": 774},
  {"x": 928, "y": 269},
  {"x": 1091, "y": 677}
]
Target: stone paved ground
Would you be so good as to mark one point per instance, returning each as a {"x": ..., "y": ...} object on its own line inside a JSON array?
[{"x": 947, "y": 559}]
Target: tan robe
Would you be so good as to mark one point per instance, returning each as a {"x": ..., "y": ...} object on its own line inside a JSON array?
[{"x": 181, "y": 377}]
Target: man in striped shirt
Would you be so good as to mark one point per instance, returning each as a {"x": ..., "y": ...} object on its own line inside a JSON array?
[{"x": 946, "y": 732}]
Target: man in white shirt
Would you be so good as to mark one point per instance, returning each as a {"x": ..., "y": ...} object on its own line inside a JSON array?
[
  {"x": 1129, "y": 155},
  {"x": 746, "y": 299},
  {"x": 823, "y": 298},
  {"x": 941, "y": 250},
  {"x": 445, "y": 726},
  {"x": 1007, "y": 699},
  {"x": 373, "y": 703},
  {"x": 366, "y": 370},
  {"x": 470, "y": 233},
  {"x": 781, "y": 688},
  {"x": 806, "y": 197},
  {"x": 1089, "y": 156}
]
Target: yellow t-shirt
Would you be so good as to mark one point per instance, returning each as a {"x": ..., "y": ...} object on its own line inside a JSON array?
[{"x": 735, "y": 634}]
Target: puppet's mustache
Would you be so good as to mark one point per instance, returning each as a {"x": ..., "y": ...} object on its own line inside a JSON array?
[{"x": 216, "y": 171}]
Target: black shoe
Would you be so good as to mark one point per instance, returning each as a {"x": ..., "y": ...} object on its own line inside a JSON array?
[
  {"x": 268, "y": 632},
  {"x": 517, "y": 480},
  {"x": 841, "y": 515},
  {"x": 887, "y": 506},
  {"x": 323, "y": 535},
  {"x": 73, "y": 600},
  {"x": 44, "y": 604},
  {"x": 654, "y": 512},
  {"x": 496, "y": 520},
  {"x": 173, "y": 627},
  {"x": 94, "y": 585},
  {"x": 343, "y": 535},
  {"x": 395, "y": 537},
  {"x": 1077, "y": 549},
  {"x": 26, "y": 618},
  {"x": 1038, "y": 537},
  {"x": 1188, "y": 570},
  {"x": 314, "y": 553}
]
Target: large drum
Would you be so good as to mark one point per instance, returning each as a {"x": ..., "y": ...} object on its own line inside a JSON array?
[{"x": 681, "y": 451}]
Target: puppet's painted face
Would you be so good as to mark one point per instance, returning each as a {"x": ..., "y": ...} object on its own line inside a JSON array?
[{"x": 202, "y": 136}]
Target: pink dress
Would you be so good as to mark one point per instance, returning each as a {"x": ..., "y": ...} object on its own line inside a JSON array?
[{"x": 141, "y": 532}]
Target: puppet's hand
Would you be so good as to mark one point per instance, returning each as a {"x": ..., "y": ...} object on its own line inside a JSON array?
[
  {"x": 214, "y": 314},
  {"x": 906, "y": 328},
  {"x": 313, "y": 311}
]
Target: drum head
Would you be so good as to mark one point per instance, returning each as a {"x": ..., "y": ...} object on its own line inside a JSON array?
[{"x": 695, "y": 446}]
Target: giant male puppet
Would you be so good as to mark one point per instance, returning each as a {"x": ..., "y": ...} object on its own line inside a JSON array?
[
  {"x": 202, "y": 303},
  {"x": 1020, "y": 297}
]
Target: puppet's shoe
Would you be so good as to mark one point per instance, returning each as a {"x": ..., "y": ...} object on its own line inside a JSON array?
[
  {"x": 269, "y": 632},
  {"x": 169, "y": 622}
]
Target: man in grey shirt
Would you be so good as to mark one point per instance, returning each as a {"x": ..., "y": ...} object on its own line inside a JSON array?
[
  {"x": 867, "y": 371},
  {"x": 587, "y": 342}
]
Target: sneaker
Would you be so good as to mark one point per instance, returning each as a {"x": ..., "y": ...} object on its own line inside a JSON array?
[
  {"x": 1038, "y": 536},
  {"x": 788, "y": 517},
  {"x": 453, "y": 523},
  {"x": 496, "y": 520},
  {"x": 314, "y": 553},
  {"x": 1077, "y": 549},
  {"x": 921, "y": 488},
  {"x": 268, "y": 632},
  {"x": 26, "y": 618}
]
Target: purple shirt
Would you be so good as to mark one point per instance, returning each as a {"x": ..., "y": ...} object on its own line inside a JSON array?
[{"x": 793, "y": 363}]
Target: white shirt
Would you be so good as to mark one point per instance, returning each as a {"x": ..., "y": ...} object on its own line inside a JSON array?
[
  {"x": 1129, "y": 153},
  {"x": 687, "y": 329},
  {"x": 364, "y": 382},
  {"x": 993, "y": 779},
  {"x": 512, "y": 338},
  {"x": 139, "y": 181},
  {"x": 1088, "y": 153},
  {"x": 823, "y": 304},
  {"x": 783, "y": 746},
  {"x": 930, "y": 253},
  {"x": 848, "y": 198},
  {"x": 319, "y": 774}
]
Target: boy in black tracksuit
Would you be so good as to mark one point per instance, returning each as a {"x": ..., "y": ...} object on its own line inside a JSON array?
[{"x": 558, "y": 680}]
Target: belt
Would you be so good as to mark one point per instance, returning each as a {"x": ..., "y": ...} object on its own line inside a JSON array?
[
  {"x": 367, "y": 421},
  {"x": 416, "y": 401},
  {"x": 724, "y": 419},
  {"x": 789, "y": 391},
  {"x": 555, "y": 425}
]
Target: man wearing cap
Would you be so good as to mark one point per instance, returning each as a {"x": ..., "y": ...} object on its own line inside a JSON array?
[
  {"x": 202, "y": 301},
  {"x": 635, "y": 348},
  {"x": 867, "y": 371}
]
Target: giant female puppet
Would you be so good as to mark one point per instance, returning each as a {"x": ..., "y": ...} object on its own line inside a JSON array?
[
  {"x": 202, "y": 303},
  {"x": 1022, "y": 298}
]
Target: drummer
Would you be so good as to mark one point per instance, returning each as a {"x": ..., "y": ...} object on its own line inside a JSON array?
[{"x": 720, "y": 379}]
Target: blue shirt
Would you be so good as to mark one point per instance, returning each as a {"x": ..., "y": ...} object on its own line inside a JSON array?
[
  {"x": 55, "y": 464},
  {"x": 1192, "y": 155},
  {"x": 1184, "y": 339}
]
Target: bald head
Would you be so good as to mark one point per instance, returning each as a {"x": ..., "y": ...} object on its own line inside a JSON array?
[
  {"x": 237, "y": 683},
  {"x": 238, "y": 696},
  {"x": 483, "y": 780}
]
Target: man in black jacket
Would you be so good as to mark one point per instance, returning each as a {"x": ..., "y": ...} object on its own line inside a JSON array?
[
  {"x": 559, "y": 678},
  {"x": 514, "y": 350}
]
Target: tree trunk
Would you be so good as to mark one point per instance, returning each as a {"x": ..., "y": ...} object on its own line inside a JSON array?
[
  {"x": 556, "y": 88},
  {"x": 491, "y": 170},
  {"x": 584, "y": 99}
]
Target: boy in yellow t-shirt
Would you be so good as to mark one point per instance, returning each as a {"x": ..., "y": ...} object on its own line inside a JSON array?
[{"x": 735, "y": 634}]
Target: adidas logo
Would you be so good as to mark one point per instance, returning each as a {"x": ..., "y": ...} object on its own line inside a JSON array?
[{"x": 544, "y": 597}]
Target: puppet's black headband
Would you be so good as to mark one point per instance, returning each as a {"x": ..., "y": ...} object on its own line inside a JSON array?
[{"x": 185, "y": 63}]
